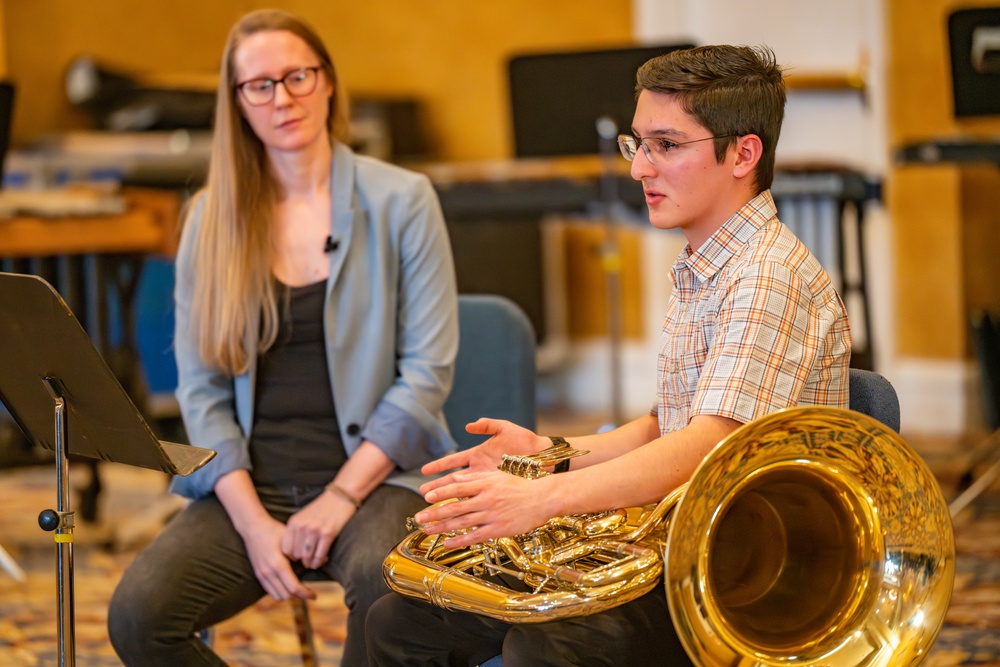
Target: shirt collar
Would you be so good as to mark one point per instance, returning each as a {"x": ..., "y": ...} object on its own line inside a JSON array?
[{"x": 729, "y": 239}]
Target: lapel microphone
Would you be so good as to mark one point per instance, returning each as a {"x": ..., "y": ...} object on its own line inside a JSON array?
[{"x": 331, "y": 244}]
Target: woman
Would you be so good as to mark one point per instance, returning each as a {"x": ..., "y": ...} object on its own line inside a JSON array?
[{"x": 315, "y": 339}]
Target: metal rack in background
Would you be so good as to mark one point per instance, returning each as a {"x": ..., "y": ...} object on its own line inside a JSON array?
[
  {"x": 826, "y": 210},
  {"x": 824, "y": 207}
]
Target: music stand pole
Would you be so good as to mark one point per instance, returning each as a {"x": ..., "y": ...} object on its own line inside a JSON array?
[{"x": 61, "y": 521}]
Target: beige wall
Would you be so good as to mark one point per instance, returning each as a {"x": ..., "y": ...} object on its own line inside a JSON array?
[
  {"x": 945, "y": 216},
  {"x": 448, "y": 53}
]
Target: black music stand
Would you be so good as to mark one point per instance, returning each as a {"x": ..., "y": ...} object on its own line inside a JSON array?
[{"x": 64, "y": 397}]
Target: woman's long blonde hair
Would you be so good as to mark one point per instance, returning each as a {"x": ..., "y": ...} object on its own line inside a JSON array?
[{"x": 234, "y": 310}]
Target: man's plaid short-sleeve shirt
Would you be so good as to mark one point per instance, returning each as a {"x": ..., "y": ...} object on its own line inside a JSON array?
[{"x": 754, "y": 325}]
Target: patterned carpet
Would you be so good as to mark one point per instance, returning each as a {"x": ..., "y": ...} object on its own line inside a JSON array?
[{"x": 263, "y": 636}]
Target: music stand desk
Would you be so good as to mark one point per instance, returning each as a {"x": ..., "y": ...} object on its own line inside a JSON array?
[{"x": 64, "y": 397}]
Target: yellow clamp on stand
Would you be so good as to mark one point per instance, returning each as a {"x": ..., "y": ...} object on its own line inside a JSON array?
[{"x": 60, "y": 522}]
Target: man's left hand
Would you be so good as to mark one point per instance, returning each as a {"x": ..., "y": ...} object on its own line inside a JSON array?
[{"x": 490, "y": 505}]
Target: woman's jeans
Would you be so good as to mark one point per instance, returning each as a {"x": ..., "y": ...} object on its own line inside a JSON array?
[{"x": 196, "y": 573}]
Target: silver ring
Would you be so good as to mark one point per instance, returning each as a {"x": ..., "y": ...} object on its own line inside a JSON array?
[{"x": 308, "y": 546}]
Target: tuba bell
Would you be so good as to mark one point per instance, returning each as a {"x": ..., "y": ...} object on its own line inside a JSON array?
[{"x": 813, "y": 535}]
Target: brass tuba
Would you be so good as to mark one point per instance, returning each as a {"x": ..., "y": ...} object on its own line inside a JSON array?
[{"x": 810, "y": 536}]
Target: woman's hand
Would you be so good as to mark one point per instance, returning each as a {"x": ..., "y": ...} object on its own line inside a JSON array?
[
  {"x": 491, "y": 504},
  {"x": 310, "y": 532},
  {"x": 506, "y": 438},
  {"x": 270, "y": 565},
  {"x": 262, "y": 535}
]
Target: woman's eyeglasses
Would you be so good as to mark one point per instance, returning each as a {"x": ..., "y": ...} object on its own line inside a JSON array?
[{"x": 298, "y": 83}]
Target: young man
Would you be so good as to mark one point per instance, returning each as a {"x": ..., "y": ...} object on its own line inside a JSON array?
[{"x": 754, "y": 325}]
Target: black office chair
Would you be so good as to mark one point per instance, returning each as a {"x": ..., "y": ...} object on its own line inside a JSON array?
[
  {"x": 986, "y": 342},
  {"x": 873, "y": 395}
]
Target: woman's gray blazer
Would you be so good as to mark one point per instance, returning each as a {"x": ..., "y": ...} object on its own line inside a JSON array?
[{"x": 391, "y": 324}]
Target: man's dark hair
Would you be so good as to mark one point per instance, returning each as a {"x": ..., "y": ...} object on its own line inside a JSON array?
[{"x": 731, "y": 90}]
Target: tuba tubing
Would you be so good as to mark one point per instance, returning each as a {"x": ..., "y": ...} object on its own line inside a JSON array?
[{"x": 813, "y": 535}]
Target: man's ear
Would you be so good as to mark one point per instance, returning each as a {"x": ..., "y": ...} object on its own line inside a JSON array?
[{"x": 748, "y": 151}]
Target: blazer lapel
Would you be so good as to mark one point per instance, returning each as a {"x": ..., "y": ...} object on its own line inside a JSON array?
[{"x": 344, "y": 209}]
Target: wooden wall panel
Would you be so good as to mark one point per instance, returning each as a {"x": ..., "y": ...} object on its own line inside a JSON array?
[
  {"x": 944, "y": 216},
  {"x": 3, "y": 42},
  {"x": 930, "y": 302}
]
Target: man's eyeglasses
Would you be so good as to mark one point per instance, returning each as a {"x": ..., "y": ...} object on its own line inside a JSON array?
[
  {"x": 298, "y": 83},
  {"x": 655, "y": 148}
]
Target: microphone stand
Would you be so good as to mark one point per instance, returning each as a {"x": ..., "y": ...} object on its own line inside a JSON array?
[{"x": 611, "y": 262}]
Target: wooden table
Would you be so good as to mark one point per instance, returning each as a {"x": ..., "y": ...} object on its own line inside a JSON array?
[
  {"x": 88, "y": 257},
  {"x": 147, "y": 225}
]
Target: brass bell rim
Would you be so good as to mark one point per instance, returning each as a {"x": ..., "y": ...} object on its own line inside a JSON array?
[{"x": 834, "y": 444}]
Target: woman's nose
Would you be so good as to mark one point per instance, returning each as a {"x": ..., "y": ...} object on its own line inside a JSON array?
[{"x": 281, "y": 94}]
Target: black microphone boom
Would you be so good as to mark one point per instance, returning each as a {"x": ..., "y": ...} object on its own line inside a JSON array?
[{"x": 331, "y": 244}]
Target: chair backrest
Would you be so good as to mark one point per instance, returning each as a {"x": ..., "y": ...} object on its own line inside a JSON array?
[
  {"x": 873, "y": 395},
  {"x": 495, "y": 368}
]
